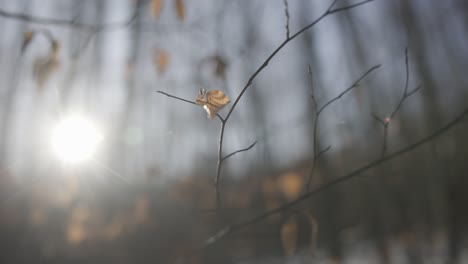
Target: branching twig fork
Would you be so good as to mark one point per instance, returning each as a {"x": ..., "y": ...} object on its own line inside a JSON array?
[
  {"x": 386, "y": 122},
  {"x": 317, "y": 154}
]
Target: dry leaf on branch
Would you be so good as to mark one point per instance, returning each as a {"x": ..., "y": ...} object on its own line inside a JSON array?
[
  {"x": 55, "y": 47},
  {"x": 289, "y": 234},
  {"x": 161, "y": 60},
  {"x": 180, "y": 8},
  {"x": 220, "y": 66},
  {"x": 314, "y": 226},
  {"x": 212, "y": 101},
  {"x": 27, "y": 37},
  {"x": 156, "y": 8},
  {"x": 43, "y": 67}
]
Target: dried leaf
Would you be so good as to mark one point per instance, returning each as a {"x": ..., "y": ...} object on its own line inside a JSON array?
[
  {"x": 314, "y": 227},
  {"x": 220, "y": 66},
  {"x": 289, "y": 234},
  {"x": 156, "y": 8},
  {"x": 161, "y": 60},
  {"x": 291, "y": 185},
  {"x": 28, "y": 36},
  {"x": 76, "y": 233},
  {"x": 115, "y": 228},
  {"x": 55, "y": 48},
  {"x": 43, "y": 68},
  {"x": 130, "y": 69},
  {"x": 142, "y": 208},
  {"x": 212, "y": 101},
  {"x": 180, "y": 8}
]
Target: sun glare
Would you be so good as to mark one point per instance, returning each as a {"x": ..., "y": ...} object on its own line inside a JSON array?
[{"x": 75, "y": 139}]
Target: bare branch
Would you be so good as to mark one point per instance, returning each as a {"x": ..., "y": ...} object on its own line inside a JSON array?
[
  {"x": 240, "y": 150},
  {"x": 386, "y": 122},
  {"x": 354, "y": 85},
  {"x": 317, "y": 154},
  {"x": 68, "y": 23},
  {"x": 176, "y": 97},
  {"x": 312, "y": 96},
  {"x": 348, "y": 7},
  {"x": 407, "y": 72},
  {"x": 405, "y": 91},
  {"x": 323, "y": 151},
  {"x": 413, "y": 91},
  {"x": 281, "y": 46},
  {"x": 378, "y": 119},
  {"x": 219, "y": 165},
  {"x": 286, "y": 12},
  {"x": 260, "y": 217}
]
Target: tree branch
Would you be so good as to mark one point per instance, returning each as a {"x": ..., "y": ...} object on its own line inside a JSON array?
[
  {"x": 354, "y": 85},
  {"x": 238, "y": 151},
  {"x": 318, "y": 111},
  {"x": 281, "y": 46},
  {"x": 176, "y": 97},
  {"x": 67, "y": 23},
  {"x": 386, "y": 122},
  {"x": 241, "y": 225},
  {"x": 286, "y": 13},
  {"x": 219, "y": 165}
]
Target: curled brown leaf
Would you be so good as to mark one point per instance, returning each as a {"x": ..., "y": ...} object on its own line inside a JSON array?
[
  {"x": 180, "y": 8},
  {"x": 27, "y": 37},
  {"x": 161, "y": 60},
  {"x": 212, "y": 101},
  {"x": 156, "y": 8}
]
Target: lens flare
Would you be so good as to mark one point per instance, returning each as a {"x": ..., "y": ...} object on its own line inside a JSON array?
[{"x": 75, "y": 139}]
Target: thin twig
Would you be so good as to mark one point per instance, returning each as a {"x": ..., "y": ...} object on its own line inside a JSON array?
[
  {"x": 386, "y": 122},
  {"x": 318, "y": 154},
  {"x": 187, "y": 101},
  {"x": 238, "y": 151},
  {"x": 67, "y": 23},
  {"x": 286, "y": 12},
  {"x": 354, "y": 85},
  {"x": 176, "y": 97},
  {"x": 219, "y": 165},
  {"x": 260, "y": 217},
  {"x": 378, "y": 119},
  {"x": 349, "y": 6}
]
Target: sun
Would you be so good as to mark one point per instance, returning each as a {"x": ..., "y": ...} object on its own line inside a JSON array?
[{"x": 75, "y": 139}]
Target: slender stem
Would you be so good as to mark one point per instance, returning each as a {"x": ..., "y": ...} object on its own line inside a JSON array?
[
  {"x": 176, "y": 97},
  {"x": 286, "y": 13},
  {"x": 386, "y": 122},
  {"x": 354, "y": 85},
  {"x": 240, "y": 150},
  {"x": 67, "y": 23},
  {"x": 219, "y": 165},
  {"x": 385, "y": 136}
]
